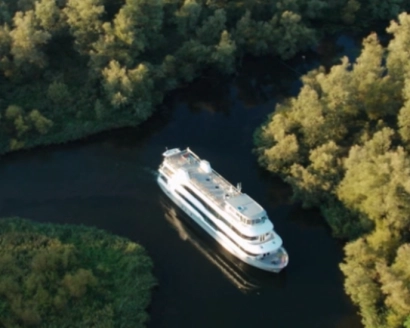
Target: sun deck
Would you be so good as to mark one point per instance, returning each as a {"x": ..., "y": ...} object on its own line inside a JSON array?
[
  {"x": 203, "y": 176},
  {"x": 198, "y": 173}
]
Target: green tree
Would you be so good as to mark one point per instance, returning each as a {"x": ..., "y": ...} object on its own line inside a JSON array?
[
  {"x": 132, "y": 87},
  {"x": 379, "y": 9},
  {"x": 397, "y": 61},
  {"x": 187, "y": 17},
  {"x": 224, "y": 55},
  {"x": 284, "y": 34},
  {"x": 5, "y": 46},
  {"x": 27, "y": 40},
  {"x": 58, "y": 93},
  {"x": 376, "y": 181},
  {"x": 290, "y": 34},
  {"x": 134, "y": 30},
  {"x": 376, "y": 94},
  {"x": 41, "y": 123},
  {"x": 16, "y": 116},
  {"x": 360, "y": 281},
  {"x": 5, "y": 15},
  {"x": 349, "y": 12},
  {"x": 404, "y": 115},
  {"x": 84, "y": 19},
  {"x": 191, "y": 57},
  {"x": 210, "y": 31},
  {"x": 138, "y": 24},
  {"x": 49, "y": 15}
]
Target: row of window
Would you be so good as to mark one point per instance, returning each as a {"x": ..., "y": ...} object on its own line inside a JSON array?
[
  {"x": 245, "y": 219},
  {"x": 212, "y": 211},
  {"x": 242, "y": 218},
  {"x": 215, "y": 214},
  {"x": 211, "y": 223}
]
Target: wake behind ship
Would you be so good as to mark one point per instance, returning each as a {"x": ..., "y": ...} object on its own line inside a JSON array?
[{"x": 233, "y": 218}]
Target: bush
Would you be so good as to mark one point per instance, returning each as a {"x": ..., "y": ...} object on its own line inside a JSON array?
[{"x": 71, "y": 276}]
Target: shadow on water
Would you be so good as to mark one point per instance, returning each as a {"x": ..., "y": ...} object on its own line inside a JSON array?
[
  {"x": 129, "y": 138},
  {"x": 244, "y": 277},
  {"x": 277, "y": 78},
  {"x": 260, "y": 80},
  {"x": 118, "y": 139},
  {"x": 307, "y": 217},
  {"x": 277, "y": 191},
  {"x": 210, "y": 93}
]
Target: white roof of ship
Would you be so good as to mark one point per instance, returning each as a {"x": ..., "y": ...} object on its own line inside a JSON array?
[
  {"x": 198, "y": 173},
  {"x": 247, "y": 206},
  {"x": 216, "y": 187}
]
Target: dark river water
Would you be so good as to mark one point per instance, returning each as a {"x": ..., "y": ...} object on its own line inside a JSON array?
[{"x": 108, "y": 181}]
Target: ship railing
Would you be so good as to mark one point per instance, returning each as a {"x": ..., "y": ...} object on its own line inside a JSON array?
[
  {"x": 209, "y": 193},
  {"x": 176, "y": 161},
  {"x": 220, "y": 177}
]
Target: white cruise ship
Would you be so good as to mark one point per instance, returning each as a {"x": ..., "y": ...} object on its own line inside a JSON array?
[{"x": 233, "y": 218}]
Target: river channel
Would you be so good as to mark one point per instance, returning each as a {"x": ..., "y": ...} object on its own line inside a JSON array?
[{"x": 108, "y": 181}]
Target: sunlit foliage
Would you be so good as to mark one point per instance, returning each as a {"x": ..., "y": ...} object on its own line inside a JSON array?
[
  {"x": 343, "y": 145},
  {"x": 70, "y": 276},
  {"x": 89, "y": 65}
]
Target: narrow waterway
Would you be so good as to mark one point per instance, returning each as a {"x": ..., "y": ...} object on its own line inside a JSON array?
[{"x": 108, "y": 181}]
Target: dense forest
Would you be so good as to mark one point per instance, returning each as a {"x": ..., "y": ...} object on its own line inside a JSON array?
[
  {"x": 343, "y": 145},
  {"x": 70, "y": 68},
  {"x": 71, "y": 276}
]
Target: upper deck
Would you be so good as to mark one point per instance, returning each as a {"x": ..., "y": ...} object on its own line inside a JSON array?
[{"x": 200, "y": 174}]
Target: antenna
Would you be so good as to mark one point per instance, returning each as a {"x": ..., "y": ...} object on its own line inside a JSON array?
[{"x": 239, "y": 186}]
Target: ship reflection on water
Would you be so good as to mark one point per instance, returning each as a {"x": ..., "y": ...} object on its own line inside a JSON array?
[{"x": 240, "y": 274}]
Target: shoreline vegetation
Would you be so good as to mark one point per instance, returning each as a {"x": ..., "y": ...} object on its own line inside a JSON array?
[
  {"x": 343, "y": 145},
  {"x": 72, "y": 68},
  {"x": 71, "y": 276}
]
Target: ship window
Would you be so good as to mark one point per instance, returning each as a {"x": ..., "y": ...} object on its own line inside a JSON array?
[
  {"x": 166, "y": 170},
  {"x": 210, "y": 210},
  {"x": 163, "y": 177},
  {"x": 198, "y": 210}
]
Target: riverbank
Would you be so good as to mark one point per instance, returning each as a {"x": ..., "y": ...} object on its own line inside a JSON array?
[
  {"x": 54, "y": 275},
  {"x": 74, "y": 131},
  {"x": 344, "y": 148},
  {"x": 71, "y": 70}
]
